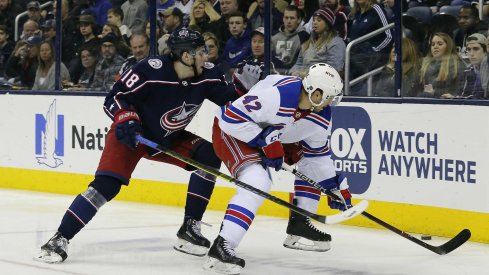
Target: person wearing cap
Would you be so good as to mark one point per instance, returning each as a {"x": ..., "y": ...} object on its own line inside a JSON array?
[
  {"x": 172, "y": 19},
  {"x": 286, "y": 44},
  {"x": 324, "y": 45},
  {"x": 110, "y": 64},
  {"x": 34, "y": 11},
  {"x": 49, "y": 30},
  {"x": 135, "y": 14},
  {"x": 22, "y": 64},
  {"x": 470, "y": 84}
]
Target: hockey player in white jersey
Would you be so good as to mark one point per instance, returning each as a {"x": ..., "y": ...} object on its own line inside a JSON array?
[{"x": 248, "y": 135}]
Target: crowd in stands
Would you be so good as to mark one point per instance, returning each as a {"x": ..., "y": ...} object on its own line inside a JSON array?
[{"x": 444, "y": 44}]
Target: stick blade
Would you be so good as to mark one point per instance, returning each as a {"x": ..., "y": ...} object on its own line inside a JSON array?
[
  {"x": 454, "y": 243},
  {"x": 350, "y": 213}
]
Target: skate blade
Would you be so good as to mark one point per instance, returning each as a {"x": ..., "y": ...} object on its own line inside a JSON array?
[
  {"x": 213, "y": 264},
  {"x": 189, "y": 248},
  {"x": 46, "y": 257},
  {"x": 294, "y": 242}
]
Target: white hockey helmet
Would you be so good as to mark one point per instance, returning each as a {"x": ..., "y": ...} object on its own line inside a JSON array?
[{"x": 325, "y": 78}]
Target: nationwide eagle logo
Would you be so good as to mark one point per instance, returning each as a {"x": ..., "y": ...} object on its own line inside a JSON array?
[
  {"x": 178, "y": 118},
  {"x": 50, "y": 137}
]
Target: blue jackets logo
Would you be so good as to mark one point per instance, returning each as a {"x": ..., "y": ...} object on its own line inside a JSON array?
[
  {"x": 351, "y": 143},
  {"x": 50, "y": 137}
]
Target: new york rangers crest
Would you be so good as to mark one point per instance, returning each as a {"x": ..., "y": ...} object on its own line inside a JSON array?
[{"x": 178, "y": 118}]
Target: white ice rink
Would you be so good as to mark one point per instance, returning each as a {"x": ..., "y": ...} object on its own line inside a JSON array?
[{"x": 132, "y": 238}]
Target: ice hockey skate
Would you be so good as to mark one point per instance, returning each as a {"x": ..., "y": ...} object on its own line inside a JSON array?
[
  {"x": 222, "y": 258},
  {"x": 54, "y": 251},
  {"x": 190, "y": 240},
  {"x": 303, "y": 235}
]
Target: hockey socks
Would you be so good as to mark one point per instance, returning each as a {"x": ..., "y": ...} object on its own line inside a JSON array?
[{"x": 199, "y": 192}]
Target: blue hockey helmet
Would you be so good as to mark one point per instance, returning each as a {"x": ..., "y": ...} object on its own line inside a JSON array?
[{"x": 184, "y": 40}]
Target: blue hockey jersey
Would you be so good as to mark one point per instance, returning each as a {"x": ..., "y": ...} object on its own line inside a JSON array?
[{"x": 164, "y": 103}]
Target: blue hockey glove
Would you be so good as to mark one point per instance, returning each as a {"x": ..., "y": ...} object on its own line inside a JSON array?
[
  {"x": 127, "y": 127},
  {"x": 339, "y": 186},
  {"x": 247, "y": 74},
  {"x": 269, "y": 141}
]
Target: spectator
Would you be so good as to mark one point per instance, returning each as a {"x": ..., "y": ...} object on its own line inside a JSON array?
[
  {"x": 341, "y": 18},
  {"x": 238, "y": 46},
  {"x": 72, "y": 37},
  {"x": 384, "y": 83},
  {"x": 115, "y": 17},
  {"x": 307, "y": 7},
  {"x": 8, "y": 12},
  {"x": 203, "y": 17},
  {"x": 99, "y": 9},
  {"x": 31, "y": 27},
  {"x": 471, "y": 81},
  {"x": 227, "y": 7},
  {"x": 186, "y": 7},
  {"x": 22, "y": 65},
  {"x": 6, "y": 49},
  {"x": 34, "y": 12},
  {"x": 323, "y": 46},
  {"x": 469, "y": 23},
  {"x": 49, "y": 30},
  {"x": 389, "y": 9},
  {"x": 107, "y": 68},
  {"x": 485, "y": 7},
  {"x": 89, "y": 56},
  {"x": 173, "y": 19},
  {"x": 258, "y": 49},
  {"x": 368, "y": 16},
  {"x": 122, "y": 47},
  {"x": 212, "y": 44},
  {"x": 256, "y": 16},
  {"x": 441, "y": 68},
  {"x": 45, "y": 74},
  {"x": 88, "y": 28},
  {"x": 135, "y": 13},
  {"x": 140, "y": 50},
  {"x": 286, "y": 44}
]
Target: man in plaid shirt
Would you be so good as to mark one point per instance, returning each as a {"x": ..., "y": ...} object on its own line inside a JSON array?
[{"x": 107, "y": 68}]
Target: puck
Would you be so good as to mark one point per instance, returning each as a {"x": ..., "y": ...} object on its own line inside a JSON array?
[{"x": 426, "y": 237}]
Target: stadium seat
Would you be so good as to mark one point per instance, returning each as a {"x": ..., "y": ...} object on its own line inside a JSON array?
[
  {"x": 452, "y": 10},
  {"x": 444, "y": 22},
  {"x": 422, "y": 14}
]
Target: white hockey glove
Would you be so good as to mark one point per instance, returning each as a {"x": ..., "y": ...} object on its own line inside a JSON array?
[{"x": 247, "y": 74}]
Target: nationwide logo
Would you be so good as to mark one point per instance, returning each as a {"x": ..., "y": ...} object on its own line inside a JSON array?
[
  {"x": 50, "y": 137},
  {"x": 351, "y": 143}
]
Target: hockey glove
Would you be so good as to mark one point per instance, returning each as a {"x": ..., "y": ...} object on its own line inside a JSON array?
[
  {"x": 127, "y": 126},
  {"x": 247, "y": 74},
  {"x": 269, "y": 141},
  {"x": 339, "y": 186}
]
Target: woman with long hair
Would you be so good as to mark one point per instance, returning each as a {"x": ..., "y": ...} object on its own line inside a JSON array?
[
  {"x": 384, "y": 83},
  {"x": 203, "y": 17},
  {"x": 441, "y": 68},
  {"x": 45, "y": 74},
  {"x": 323, "y": 46}
]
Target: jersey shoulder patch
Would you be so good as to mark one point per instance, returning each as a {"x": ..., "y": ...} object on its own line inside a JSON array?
[
  {"x": 155, "y": 63},
  {"x": 209, "y": 65}
]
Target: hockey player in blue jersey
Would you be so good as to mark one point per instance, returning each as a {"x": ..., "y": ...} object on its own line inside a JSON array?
[
  {"x": 248, "y": 136},
  {"x": 157, "y": 97}
]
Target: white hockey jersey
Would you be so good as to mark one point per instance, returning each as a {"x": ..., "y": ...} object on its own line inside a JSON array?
[{"x": 274, "y": 101}]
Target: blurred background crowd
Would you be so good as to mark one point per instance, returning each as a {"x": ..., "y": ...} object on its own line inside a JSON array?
[{"x": 443, "y": 45}]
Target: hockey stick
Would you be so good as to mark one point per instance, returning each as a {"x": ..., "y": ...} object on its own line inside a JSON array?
[
  {"x": 332, "y": 219},
  {"x": 443, "y": 249}
]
